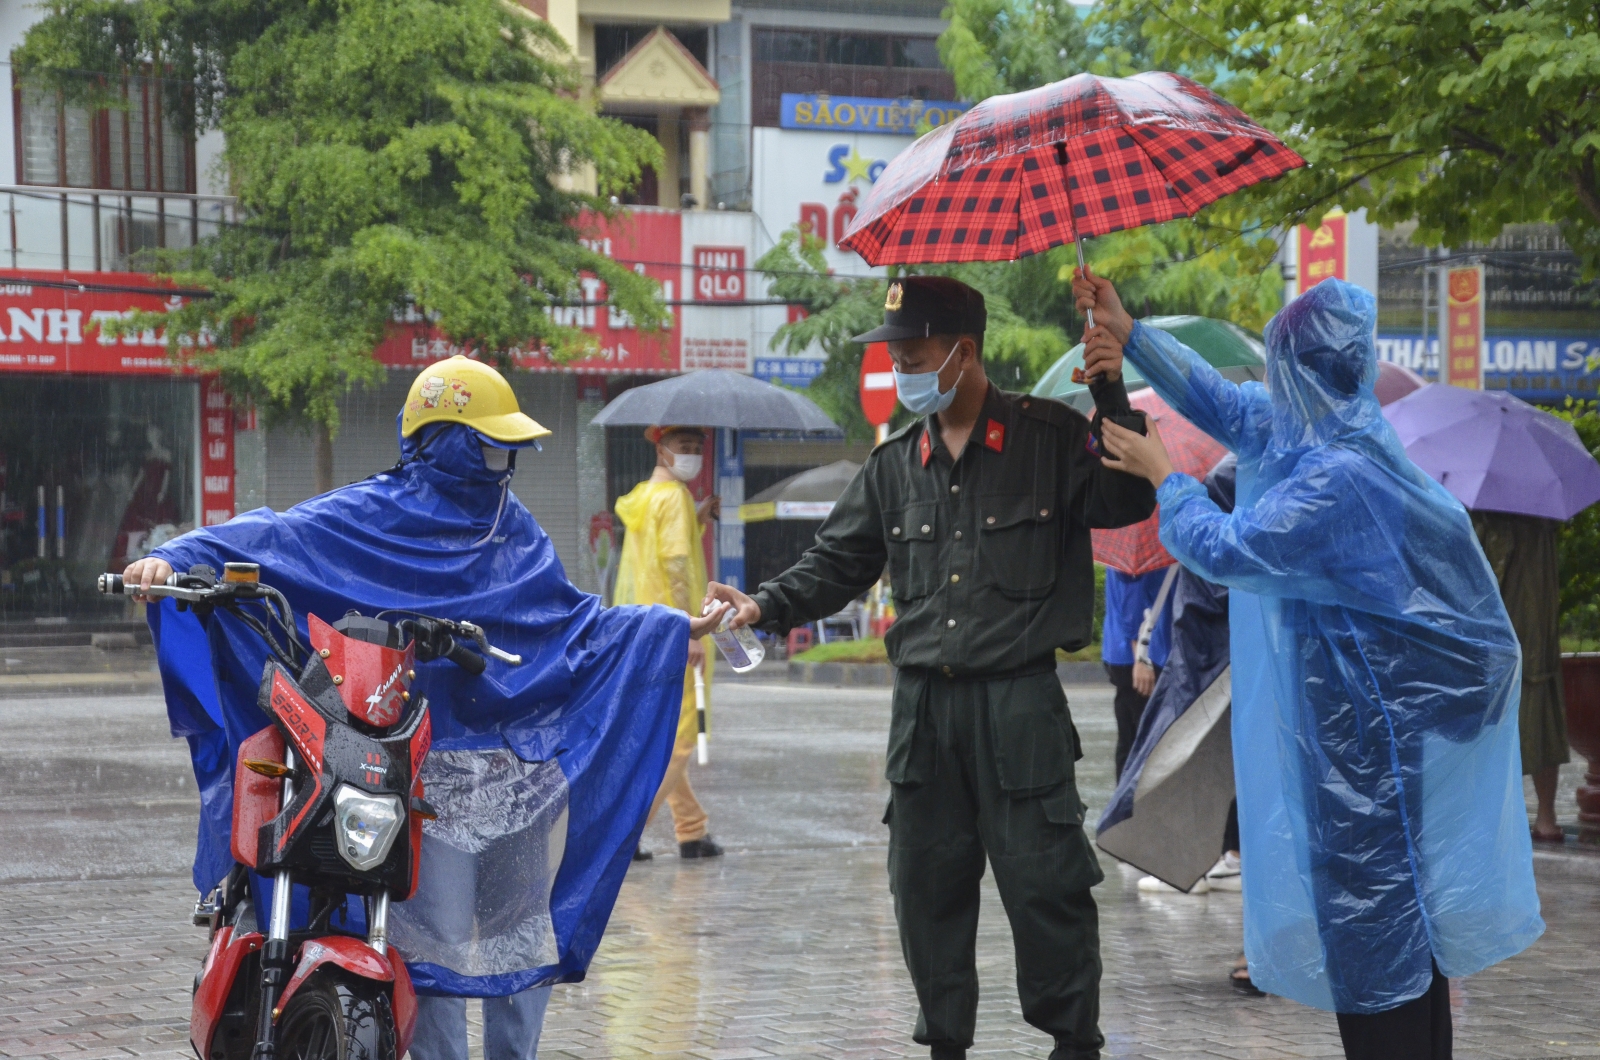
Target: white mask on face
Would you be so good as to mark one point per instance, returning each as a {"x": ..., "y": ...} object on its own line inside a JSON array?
[
  {"x": 495, "y": 458},
  {"x": 685, "y": 467}
]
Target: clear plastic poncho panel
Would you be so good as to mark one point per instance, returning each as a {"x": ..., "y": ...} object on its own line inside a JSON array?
[{"x": 1376, "y": 675}]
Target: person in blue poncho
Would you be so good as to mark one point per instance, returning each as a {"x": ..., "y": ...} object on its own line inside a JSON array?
[
  {"x": 541, "y": 774},
  {"x": 1376, "y": 677}
]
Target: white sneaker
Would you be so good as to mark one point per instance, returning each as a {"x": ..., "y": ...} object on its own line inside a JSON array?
[
  {"x": 1150, "y": 884},
  {"x": 1224, "y": 875}
]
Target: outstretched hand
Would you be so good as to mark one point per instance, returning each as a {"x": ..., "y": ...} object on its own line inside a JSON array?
[
  {"x": 702, "y": 626},
  {"x": 1141, "y": 455},
  {"x": 1095, "y": 292},
  {"x": 745, "y": 610}
]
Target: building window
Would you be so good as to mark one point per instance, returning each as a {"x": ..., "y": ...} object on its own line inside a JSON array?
[
  {"x": 137, "y": 148},
  {"x": 842, "y": 64}
]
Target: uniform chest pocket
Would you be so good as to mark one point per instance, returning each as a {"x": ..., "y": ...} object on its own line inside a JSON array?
[
  {"x": 1019, "y": 543},
  {"x": 912, "y": 534}
]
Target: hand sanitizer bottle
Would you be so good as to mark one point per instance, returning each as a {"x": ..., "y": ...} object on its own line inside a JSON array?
[{"x": 741, "y": 647}]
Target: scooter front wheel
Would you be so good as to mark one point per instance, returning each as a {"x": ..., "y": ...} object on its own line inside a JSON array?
[{"x": 335, "y": 1018}]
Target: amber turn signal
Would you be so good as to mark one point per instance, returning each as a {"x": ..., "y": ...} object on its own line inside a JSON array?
[{"x": 266, "y": 767}]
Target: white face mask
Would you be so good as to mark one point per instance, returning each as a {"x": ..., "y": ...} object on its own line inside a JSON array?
[
  {"x": 685, "y": 467},
  {"x": 495, "y": 458}
]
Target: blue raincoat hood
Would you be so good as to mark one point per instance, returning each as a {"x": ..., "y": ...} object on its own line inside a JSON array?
[
  {"x": 597, "y": 695},
  {"x": 1376, "y": 676}
]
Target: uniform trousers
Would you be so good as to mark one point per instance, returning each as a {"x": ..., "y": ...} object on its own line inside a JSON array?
[
  {"x": 511, "y": 1026},
  {"x": 985, "y": 770}
]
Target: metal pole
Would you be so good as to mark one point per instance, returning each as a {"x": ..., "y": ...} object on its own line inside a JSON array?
[
  {"x": 378, "y": 930},
  {"x": 66, "y": 262},
  {"x": 95, "y": 206}
]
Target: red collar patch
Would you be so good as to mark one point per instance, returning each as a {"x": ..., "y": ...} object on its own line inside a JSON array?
[
  {"x": 926, "y": 447},
  {"x": 994, "y": 436}
]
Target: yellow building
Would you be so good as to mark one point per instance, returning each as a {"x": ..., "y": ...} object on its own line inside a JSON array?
[{"x": 646, "y": 63}]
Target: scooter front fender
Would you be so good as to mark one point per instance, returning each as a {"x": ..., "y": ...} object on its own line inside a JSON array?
[
  {"x": 216, "y": 983},
  {"x": 351, "y": 954}
]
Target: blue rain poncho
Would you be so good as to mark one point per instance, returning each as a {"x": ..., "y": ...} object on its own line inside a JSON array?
[
  {"x": 1376, "y": 675},
  {"x": 542, "y": 774}
]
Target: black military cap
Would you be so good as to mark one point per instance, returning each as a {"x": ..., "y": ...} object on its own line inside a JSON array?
[{"x": 919, "y": 306}]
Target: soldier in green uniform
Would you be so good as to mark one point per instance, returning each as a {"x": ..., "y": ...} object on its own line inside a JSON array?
[{"x": 981, "y": 512}]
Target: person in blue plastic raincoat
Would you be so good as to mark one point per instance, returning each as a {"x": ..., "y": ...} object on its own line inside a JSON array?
[
  {"x": 541, "y": 774},
  {"x": 1385, "y": 840}
]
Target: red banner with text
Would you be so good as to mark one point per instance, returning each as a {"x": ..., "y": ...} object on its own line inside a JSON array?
[
  {"x": 216, "y": 453},
  {"x": 647, "y": 241},
  {"x": 61, "y": 329}
]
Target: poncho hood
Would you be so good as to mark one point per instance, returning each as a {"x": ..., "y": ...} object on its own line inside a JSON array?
[{"x": 1321, "y": 364}]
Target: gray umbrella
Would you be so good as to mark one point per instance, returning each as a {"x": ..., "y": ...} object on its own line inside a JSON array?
[{"x": 716, "y": 397}]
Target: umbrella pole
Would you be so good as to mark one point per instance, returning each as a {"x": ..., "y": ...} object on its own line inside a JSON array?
[{"x": 1083, "y": 269}]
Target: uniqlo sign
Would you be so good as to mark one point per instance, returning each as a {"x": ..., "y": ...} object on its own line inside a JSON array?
[{"x": 719, "y": 274}]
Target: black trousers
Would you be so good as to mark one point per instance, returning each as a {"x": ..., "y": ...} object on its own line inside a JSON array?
[
  {"x": 992, "y": 779},
  {"x": 1416, "y": 1030},
  {"x": 1129, "y": 708}
]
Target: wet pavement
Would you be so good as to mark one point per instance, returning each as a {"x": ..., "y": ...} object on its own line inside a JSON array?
[{"x": 785, "y": 947}]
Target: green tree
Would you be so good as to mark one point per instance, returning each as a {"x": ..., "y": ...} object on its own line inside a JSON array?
[
  {"x": 1464, "y": 115},
  {"x": 1580, "y": 543},
  {"x": 385, "y": 154}
]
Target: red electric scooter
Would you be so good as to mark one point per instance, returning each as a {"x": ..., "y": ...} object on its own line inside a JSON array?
[{"x": 329, "y": 797}]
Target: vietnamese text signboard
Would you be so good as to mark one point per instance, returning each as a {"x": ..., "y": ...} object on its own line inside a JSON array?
[
  {"x": 1464, "y": 327},
  {"x": 820, "y": 112},
  {"x": 55, "y": 329},
  {"x": 1322, "y": 252}
]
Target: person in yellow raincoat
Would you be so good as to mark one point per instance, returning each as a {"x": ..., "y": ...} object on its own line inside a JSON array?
[{"x": 663, "y": 562}]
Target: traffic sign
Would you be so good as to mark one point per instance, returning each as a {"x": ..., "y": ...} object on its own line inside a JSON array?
[{"x": 877, "y": 384}]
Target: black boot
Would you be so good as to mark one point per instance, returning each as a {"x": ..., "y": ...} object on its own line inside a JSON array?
[
  {"x": 947, "y": 1052},
  {"x": 704, "y": 847},
  {"x": 641, "y": 854},
  {"x": 1063, "y": 1051}
]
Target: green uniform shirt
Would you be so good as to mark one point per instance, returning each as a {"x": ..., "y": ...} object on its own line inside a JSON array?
[{"x": 989, "y": 555}]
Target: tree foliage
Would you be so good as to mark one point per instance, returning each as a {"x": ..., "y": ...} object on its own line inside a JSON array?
[
  {"x": 1464, "y": 115},
  {"x": 386, "y": 154},
  {"x": 1580, "y": 542}
]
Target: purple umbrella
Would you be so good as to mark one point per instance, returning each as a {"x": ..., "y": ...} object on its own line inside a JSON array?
[{"x": 1496, "y": 453}]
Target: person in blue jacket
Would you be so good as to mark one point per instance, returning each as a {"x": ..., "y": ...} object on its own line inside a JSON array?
[
  {"x": 1128, "y": 598},
  {"x": 1376, "y": 677},
  {"x": 541, "y": 774}
]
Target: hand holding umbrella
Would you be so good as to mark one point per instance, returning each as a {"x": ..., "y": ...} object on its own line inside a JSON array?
[{"x": 1142, "y": 455}]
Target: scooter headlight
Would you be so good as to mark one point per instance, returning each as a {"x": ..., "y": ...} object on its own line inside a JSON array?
[{"x": 365, "y": 825}]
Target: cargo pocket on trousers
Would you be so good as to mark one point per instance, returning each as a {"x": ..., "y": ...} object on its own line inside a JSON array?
[
  {"x": 1031, "y": 734},
  {"x": 910, "y": 754}
]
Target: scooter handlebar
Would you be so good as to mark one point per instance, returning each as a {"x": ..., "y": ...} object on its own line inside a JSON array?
[{"x": 114, "y": 585}]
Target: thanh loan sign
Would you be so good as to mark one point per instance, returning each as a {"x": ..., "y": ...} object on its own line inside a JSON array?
[
  {"x": 820, "y": 112},
  {"x": 1533, "y": 367}
]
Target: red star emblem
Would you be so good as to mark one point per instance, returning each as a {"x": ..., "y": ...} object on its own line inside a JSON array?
[
  {"x": 994, "y": 436},
  {"x": 926, "y": 447}
]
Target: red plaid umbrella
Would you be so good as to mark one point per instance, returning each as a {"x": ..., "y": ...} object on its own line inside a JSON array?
[
  {"x": 1087, "y": 156},
  {"x": 1137, "y": 549}
]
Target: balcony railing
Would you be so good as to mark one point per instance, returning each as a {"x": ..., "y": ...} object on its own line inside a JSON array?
[{"x": 78, "y": 229}]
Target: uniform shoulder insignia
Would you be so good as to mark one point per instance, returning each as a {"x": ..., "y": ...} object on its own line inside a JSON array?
[{"x": 1053, "y": 412}]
